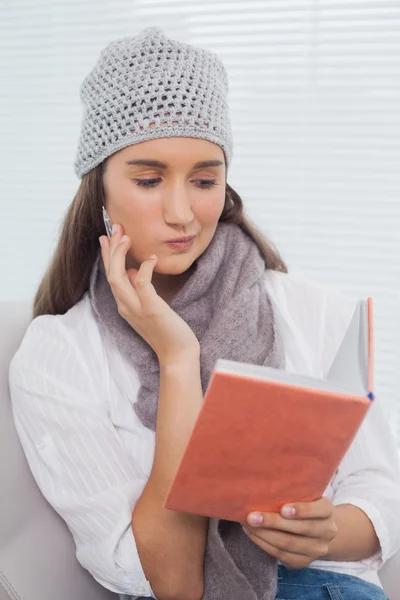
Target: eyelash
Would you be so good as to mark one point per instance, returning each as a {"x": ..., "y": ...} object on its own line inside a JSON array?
[{"x": 150, "y": 183}]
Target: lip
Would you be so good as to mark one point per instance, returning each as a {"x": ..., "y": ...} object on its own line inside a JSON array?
[
  {"x": 185, "y": 245},
  {"x": 182, "y": 240}
]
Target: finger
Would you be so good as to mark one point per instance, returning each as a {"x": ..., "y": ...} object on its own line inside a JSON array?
[
  {"x": 117, "y": 259},
  {"x": 118, "y": 232},
  {"x": 132, "y": 273},
  {"x": 108, "y": 245},
  {"x": 309, "y": 527},
  {"x": 117, "y": 277},
  {"x": 105, "y": 251},
  {"x": 114, "y": 264},
  {"x": 142, "y": 281},
  {"x": 295, "y": 561},
  {"x": 111, "y": 244},
  {"x": 295, "y": 544},
  {"x": 264, "y": 545},
  {"x": 319, "y": 509}
]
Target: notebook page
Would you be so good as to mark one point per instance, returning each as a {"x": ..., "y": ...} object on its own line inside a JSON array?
[
  {"x": 350, "y": 365},
  {"x": 272, "y": 374}
]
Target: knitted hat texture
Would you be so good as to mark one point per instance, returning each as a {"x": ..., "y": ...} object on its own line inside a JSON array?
[{"x": 150, "y": 86}]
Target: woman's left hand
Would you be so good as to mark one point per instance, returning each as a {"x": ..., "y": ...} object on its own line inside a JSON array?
[{"x": 295, "y": 540}]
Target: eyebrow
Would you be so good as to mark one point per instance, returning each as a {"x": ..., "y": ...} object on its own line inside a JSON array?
[{"x": 147, "y": 162}]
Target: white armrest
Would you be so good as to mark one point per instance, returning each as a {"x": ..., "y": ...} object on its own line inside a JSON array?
[{"x": 389, "y": 576}]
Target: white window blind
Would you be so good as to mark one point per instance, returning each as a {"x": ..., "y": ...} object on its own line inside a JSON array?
[{"x": 315, "y": 108}]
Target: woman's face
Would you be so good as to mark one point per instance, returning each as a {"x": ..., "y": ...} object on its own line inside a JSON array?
[{"x": 158, "y": 202}]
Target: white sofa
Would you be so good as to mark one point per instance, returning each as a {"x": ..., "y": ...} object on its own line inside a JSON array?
[{"x": 37, "y": 552}]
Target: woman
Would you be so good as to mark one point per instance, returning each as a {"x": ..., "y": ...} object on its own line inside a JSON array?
[{"x": 110, "y": 376}]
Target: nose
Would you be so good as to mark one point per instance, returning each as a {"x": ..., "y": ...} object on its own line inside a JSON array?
[{"x": 177, "y": 206}]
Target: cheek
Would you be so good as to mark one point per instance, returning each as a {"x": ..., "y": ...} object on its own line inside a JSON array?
[
  {"x": 136, "y": 206},
  {"x": 209, "y": 210}
]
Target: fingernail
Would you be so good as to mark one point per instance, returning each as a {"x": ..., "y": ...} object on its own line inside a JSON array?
[
  {"x": 123, "y": 239},
  {"x": 152, "y": 256},
  {"x": 255, "y": 518},
  {"x": 114, "y": 229},
  {"x": 288, "y": 511},
  {"x": 101, "y": 241},
  {"x": 245, "y": 529}
]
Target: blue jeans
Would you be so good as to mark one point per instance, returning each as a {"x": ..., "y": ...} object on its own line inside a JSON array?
[{"x": 315, "y": 584}]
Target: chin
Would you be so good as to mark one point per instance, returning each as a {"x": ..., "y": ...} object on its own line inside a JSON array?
[{"x": 176, "y": 265}]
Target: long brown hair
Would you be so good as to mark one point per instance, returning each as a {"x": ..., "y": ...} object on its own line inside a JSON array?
[{"x": 67, "y": 276}]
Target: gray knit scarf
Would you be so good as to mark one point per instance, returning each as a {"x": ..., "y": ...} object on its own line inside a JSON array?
[{"x": 226, "y": 305}]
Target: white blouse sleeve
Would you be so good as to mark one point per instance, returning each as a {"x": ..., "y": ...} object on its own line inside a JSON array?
[
  {"x": 369, "y": 474},
  {"x": 75, "y": 454}
]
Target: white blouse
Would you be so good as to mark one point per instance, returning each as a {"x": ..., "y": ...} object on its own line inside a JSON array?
[{"x": 72, "y": 395}]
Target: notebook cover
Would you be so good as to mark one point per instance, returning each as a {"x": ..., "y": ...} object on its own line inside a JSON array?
[
  {"x": 371, "y": 346},
  {"x": 257, "y": 445}
]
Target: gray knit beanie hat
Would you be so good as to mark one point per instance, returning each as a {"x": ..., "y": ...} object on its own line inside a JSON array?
[{"x": 150, "y": 86}]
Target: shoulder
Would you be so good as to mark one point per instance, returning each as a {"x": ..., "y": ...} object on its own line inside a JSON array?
[
  {"x": 60, "y": 346},
  {"x": 314, "y": 312},
  {"x": 77, "y": 327}
]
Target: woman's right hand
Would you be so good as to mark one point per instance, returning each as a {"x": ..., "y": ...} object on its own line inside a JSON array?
[{"x": 139, "y": 304}]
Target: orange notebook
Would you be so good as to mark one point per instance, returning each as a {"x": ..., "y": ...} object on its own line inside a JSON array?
[{"x": 265, "y": 437}]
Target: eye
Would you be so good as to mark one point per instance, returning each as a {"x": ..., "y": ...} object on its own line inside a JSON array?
[
  {"x": 206, "y": 184},
  {"x": 147, "y": 182},
  {"x": 203, "y": 184}
]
